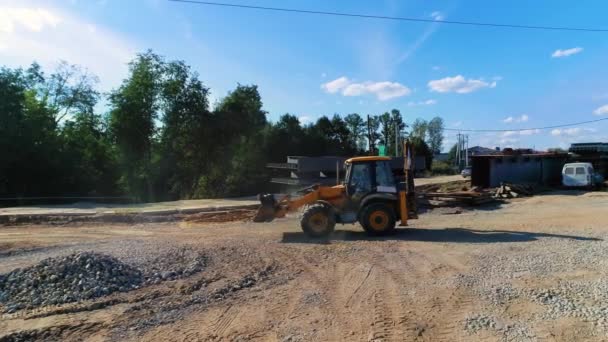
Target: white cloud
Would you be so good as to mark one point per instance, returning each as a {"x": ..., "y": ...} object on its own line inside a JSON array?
[
  {"x": 459, "y": 84},
  {"x": 437, "y": 16},
  {"x": 47, "y": 35},
  {"x": 572, "y": 132},
  {"x": 384, "y": 90},
  {"x": 567, "y": 52},
  {"x": 457, "y": 124},
  {"x": 307, "y": 118},
  {"x": 603, "y": 110},
  {"x": 428, "y": 102},
  {"x": 517, "y": 119},
  {"x": 529, "y": 132},
  {"x": 508, "y": 142},
  {"x": 521, "y": 133},
  {"x": 29, "y": 19},
  {"x": 336, "y": 85}
]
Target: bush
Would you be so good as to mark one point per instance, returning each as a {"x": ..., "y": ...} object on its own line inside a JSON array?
[{"x": 442, "y": 168}]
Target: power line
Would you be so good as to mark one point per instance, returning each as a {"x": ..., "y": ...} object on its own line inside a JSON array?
[
  {"x": 383, "y": 17},
  {"x": 525, "y": 129}
]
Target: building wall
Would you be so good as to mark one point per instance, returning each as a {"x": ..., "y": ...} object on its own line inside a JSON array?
[
  {"x": 552, "y": 170},
  {"x": 517, "y": 169}
]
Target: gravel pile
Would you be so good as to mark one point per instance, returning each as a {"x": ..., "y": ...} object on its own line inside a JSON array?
[
  {"x": 517, "y": 331},
  {"x": 499, "y": 276},
  {"x": 476, "y": 323},
  {"x": 588, "y": 301},
  {"x": 174, "y": 263},
  {"x": 71, "y": 278}
]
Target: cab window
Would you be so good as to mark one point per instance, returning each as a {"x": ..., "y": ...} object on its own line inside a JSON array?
[
  {"x": 360, "y": 180},
  {"x": 384, "y": 174},
  {"x": 580, "y": 170},
  {"x": 569, "y": 171}
]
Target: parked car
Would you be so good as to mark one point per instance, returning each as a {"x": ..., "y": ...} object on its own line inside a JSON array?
[
  {"x": 466, "y": 172},
  {"x": 580, "y": 175}
]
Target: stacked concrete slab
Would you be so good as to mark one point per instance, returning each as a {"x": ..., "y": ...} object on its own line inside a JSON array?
[{"x": 301, "y": 171}]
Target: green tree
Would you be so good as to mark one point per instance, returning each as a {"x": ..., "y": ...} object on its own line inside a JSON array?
[
  {"x": 372, "y": 135},
  {"x": 419, "y": 129},
  {"x": 385, "y": 128},
  {"x": 421, "y": 148},
  {"x": 435, "y": 134},
  {"x": 88, "y": 157},
  {"x": 285, "y": 137},
  {"x": 452, "y": 154},
  {"x": 239, "y": 165},
  {"x": 68, "y": 91},
  {"x": 187, "y": 138},
  {"x": 397, "y": 126},
  {"x": 134, "y": 110},
  {"x": 356, "y": 127}
]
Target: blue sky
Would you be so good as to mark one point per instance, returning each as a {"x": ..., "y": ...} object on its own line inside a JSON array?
[{"x": 311, "y": 65}]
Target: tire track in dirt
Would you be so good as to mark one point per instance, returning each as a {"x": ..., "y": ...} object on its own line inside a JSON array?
[
  {"x": 422, "y": 305},
  {"x": 223, "y": 322},
  {"x": 388, "y": 298}
]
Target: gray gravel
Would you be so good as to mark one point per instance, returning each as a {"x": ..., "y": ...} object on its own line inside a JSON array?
[
  {"x": 71, "y": 278},
  {"x": 73, "y": 274},
  {"x": 501, "y": 271}
]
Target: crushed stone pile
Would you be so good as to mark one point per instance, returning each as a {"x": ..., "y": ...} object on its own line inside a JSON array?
[
  {"x": 176, "y": 263},
  {"x": 66, "y": 279}
]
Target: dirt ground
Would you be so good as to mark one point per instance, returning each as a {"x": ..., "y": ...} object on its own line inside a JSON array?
[{"x": 268, "y": 282}]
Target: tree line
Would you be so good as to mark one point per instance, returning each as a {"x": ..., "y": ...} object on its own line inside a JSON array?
[{"x": 160, "y": 138}]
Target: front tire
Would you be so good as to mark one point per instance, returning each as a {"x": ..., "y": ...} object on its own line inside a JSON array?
[
  {"x": 318, "y": 221},
  {"x": 378, "y": 219}
]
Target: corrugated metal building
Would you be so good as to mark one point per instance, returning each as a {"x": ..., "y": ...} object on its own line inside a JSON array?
[
  {"x": 515, "y": 167},
  {"x": 594, "y": 153}
]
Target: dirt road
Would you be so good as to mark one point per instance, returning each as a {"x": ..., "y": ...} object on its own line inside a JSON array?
[{"x": 533, "y": 269}]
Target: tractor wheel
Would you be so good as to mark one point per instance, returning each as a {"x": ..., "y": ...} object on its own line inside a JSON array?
[
  {"x": 318, "y": 221},
  {"x": 377, "y": 219}
]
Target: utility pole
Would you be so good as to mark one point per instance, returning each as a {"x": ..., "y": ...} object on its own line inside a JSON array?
[
  {"x": 396, "y": 139},
  {"x": 457, "y": 161},
  {"x": 466, "y": 151},
  {"x": 369, "y": 135}
]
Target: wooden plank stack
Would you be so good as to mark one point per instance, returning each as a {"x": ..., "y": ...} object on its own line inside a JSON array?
[
  {"x": 508, "y": 190},
  {"x": 458, "y": 197}
]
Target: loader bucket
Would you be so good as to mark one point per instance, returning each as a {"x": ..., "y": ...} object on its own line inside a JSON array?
[{"x": 267, "y": 210}]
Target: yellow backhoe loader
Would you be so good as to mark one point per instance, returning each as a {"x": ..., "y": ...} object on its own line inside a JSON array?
[{"x": 370, "y": 195}]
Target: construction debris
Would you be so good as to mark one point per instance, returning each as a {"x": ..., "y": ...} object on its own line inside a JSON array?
[
  {"x": 507, "y": 190},
  {"x": 457, "y": 198}
]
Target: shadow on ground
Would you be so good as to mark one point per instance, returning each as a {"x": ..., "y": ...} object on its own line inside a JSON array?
[{"x": 449, "y": 235}]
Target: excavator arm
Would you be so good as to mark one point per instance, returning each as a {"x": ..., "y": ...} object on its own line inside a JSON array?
[{"x": 272, "y": 208}]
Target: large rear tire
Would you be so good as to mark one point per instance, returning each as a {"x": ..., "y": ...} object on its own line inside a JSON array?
[
  {"x": 377, "y": 219},
  {"x": 318, "y": 221}
]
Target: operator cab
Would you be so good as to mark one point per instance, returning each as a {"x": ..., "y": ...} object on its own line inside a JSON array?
[
  {"x": 365, "y": 175},
  {"x": 369, "y": 180}
]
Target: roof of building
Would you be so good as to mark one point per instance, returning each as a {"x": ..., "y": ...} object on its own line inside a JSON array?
[
  {"x": 589, "y": 147},
  {"x": 475, "y": 150},
  {"x": 367, "y": 158},
  {"x": 506, "y": 155}
]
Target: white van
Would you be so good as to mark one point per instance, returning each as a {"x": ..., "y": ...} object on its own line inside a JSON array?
[{"x": 578, "y": 174}]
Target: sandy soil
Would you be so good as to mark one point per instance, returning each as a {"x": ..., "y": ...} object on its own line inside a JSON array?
[{"x": 268, "y": 282}]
